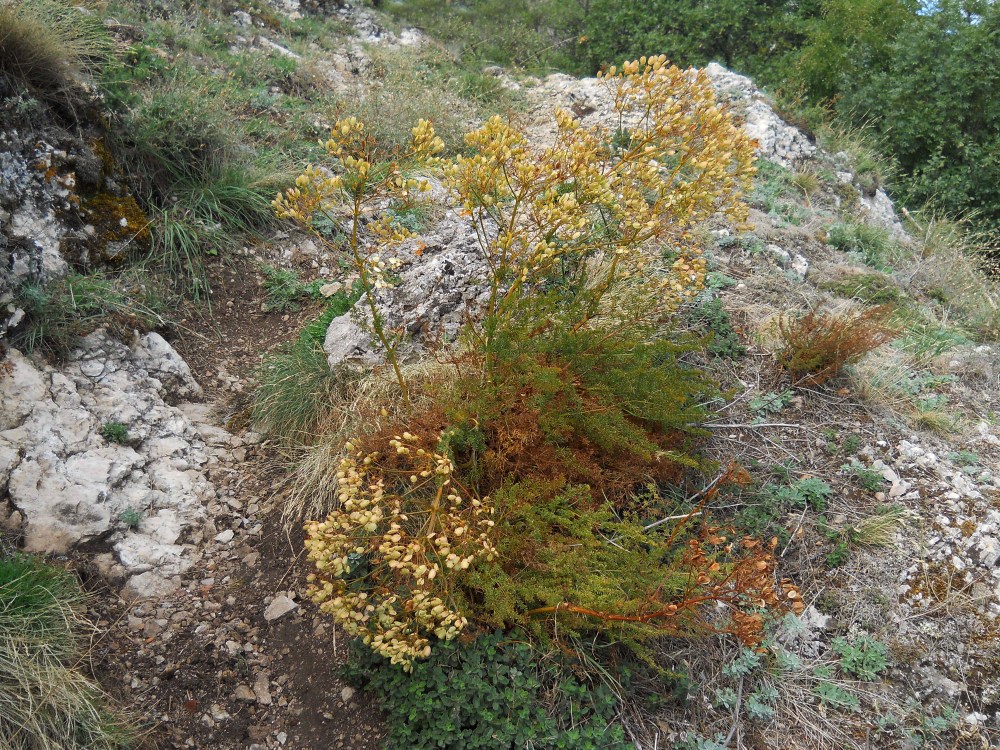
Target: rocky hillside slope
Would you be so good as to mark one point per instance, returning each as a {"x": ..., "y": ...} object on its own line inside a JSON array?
[{"x": 126, "y": 460}]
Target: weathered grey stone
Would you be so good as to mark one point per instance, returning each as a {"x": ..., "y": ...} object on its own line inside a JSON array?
[
  {"x": 149, "y": 585},
  {"x": 777, "y": 141},
  {"x": 438, "y": 288},
  {"x": 71, "y": 485},
  {"x": 279, "y": 607}
]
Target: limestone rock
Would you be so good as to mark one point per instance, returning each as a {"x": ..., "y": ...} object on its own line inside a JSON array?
[
  {"x": 71, "y": 486},
  {"x": 279, "y": 607},
  {"x": 439, "y": 286}
]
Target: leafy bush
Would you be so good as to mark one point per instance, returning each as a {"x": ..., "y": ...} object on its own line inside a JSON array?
[
  {"x": 47, "y": 702},
  {"x": 748, "y": 34},
  {"x": 570, "y": 390},
  {"x": 492, "y": 693},
  {"x": 947, "y": 139},
  {"x": 817, "y": 346}
]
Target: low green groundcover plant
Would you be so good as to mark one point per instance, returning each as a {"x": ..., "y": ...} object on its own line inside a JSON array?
[{"x": 490, "y": 694}]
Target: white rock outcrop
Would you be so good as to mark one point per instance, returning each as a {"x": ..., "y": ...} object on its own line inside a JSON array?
[
  {"x": 438, "y": 287},
  {"x": 777, "y": 141},
  {"x": 71, "y": 485}
]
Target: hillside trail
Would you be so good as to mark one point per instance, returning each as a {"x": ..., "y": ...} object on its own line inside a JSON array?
[{"x": 230, "y": 659}]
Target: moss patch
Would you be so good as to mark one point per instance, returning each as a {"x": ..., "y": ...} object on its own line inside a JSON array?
[{"x": 117, "y": 219}]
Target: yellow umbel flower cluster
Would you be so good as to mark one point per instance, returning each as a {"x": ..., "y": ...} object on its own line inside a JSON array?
[
  {"x": 386, "y": 559},
  {"x": 360, "y": 179},
  {"x": 604, "y": 202}
]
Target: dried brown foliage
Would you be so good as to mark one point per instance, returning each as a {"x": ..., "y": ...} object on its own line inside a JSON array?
[{"x": 818, "y": 345}]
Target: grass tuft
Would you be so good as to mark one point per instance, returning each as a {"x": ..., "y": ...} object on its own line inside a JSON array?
[
  {"x": 45, "y": 47},
  {"x": 66, "y": 309},
  {"x": 47, "y": 703}
]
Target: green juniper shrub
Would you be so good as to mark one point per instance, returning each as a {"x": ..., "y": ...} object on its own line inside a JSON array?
[
  {"x": 492, "y": 693},
  {"x": 558, "y": 529}
]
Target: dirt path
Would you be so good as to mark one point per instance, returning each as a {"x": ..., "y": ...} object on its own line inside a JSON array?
[{"x": 233, "y": 659}]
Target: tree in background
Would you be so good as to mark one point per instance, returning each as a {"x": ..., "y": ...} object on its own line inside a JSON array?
[
  {"x": 933, "y": 99},
  {"x": 748, "y": 35}
]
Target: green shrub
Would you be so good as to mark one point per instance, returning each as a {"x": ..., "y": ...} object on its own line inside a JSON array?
[
  {"x": 47, "y": 702},
  {"x": 493, "y": 693},
  {"x": 750, "y": 35}
]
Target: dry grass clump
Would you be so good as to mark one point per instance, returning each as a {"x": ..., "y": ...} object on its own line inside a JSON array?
[
  {"x": 372, "y": 401},
  {"x": 817, "y": 345},
  {"x": 884, "y": 378},
  {"x": 409, "y": 88},
  {"x": 949, "y": 270},
  {"x": 46, "y": 703},
  {"x": 45, "y": 46}
]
